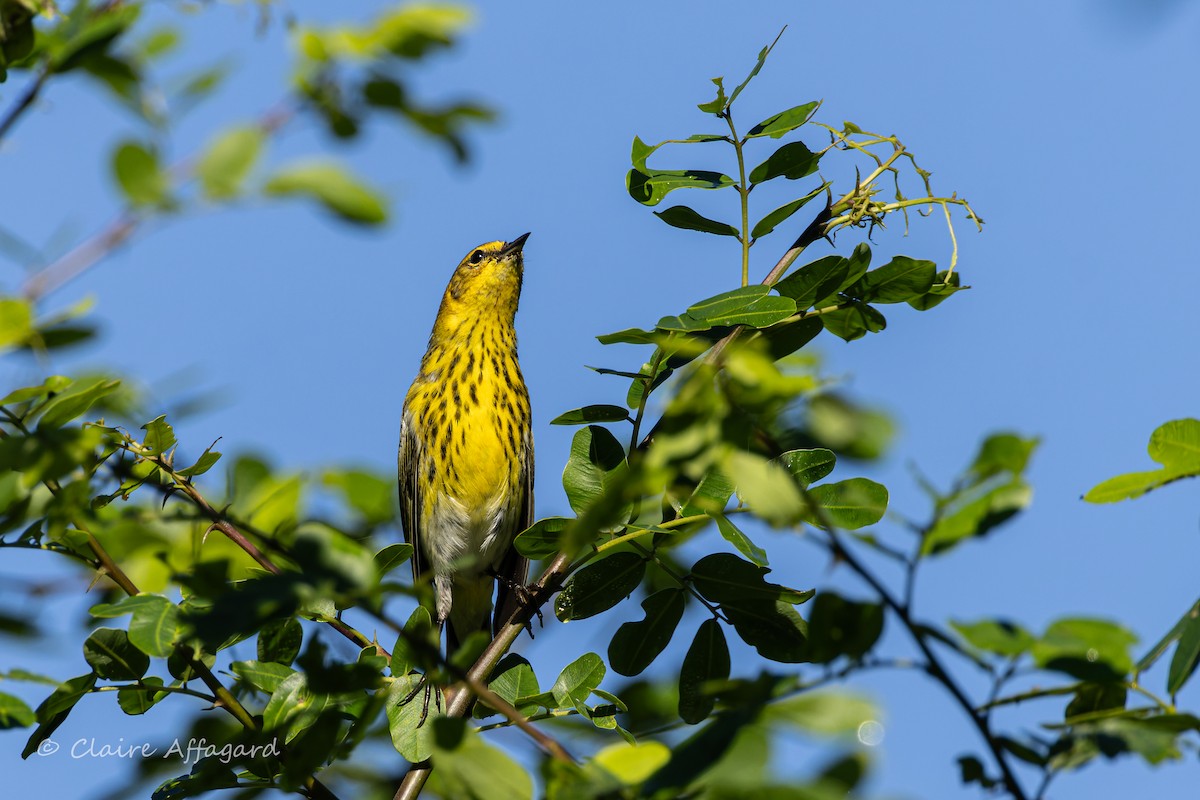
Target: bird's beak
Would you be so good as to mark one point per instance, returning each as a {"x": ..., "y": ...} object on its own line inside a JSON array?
[{"x": 514, "y": 247}]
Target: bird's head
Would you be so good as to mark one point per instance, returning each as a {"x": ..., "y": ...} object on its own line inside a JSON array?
[{"x": 487, "y": 281}]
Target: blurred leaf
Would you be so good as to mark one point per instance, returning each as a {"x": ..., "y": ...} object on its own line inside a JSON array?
[
  {"x": 109, "y": 652},
  {"x": 137, "y": 171},
  {"x": 160, "y": 436},
  {"x": 279, "y": 641},
  {"x": 75, "y": 403},
  {"x": 636, "y": 644},
  {"x": 1166, "y": 641},
  {"x": 470, "y": 769},
  {"x": 1001, "y": 637},
  {"x": 16, "y": 324},
  {"x": 766, "y": 487},
  {"x": 589, "y": 414},
  {"x": 14, "y": 713},
  {"x": 707, "y": 660},
  {"x": 1088, "y": 649},
  {"x": 711, "y": 494},
  {"x": 841, "y": 627},
  {"x": 777, "y": 125},
  {"x": 850, "y": 504},
  {"x": 1175, "y": 445},
  {"x": 265, "y": 676},
  {"x": 779, "y": 215},
  {"x": 793, "y": 161},
  {"x": 632, "y": 764},
  {"x": 405, "y": 654},
  {"x": 227, "y": 161},
  {"x": 369, "y": 494},
  {"x": 332, "y": 186},
  {"x": 977, "y": 514},
  {"x": 52, "y": 385},
  {"x": 1187, "y": 653},
  {"x": 599, "y": 586},
  {"x": 829, "y": 713}
]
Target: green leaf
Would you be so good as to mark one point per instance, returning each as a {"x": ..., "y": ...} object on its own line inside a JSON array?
[
  {"x": 1089, "y": 649},
  {"x": 841, "y": 627},
  {"x": 207, "y": 461},
  {"x": 160, "y": 436},
  {"x": 279, "y": 641},
  {"x": 710, "y": 496},
  {"x": 407, "y": 656},
  {"x": 766, "y": 487},
  {"x": 707, "y": 660},
  {"x": 331, "y": 185},
  {"x": 728, "y": 580},
  {"x": 808, "y": 466},
  {"x": 775, "y": 630},
  {"x": 977, "y": 514},
  {"x": 650, "y": 188},
  {"x": 575, "y": 683},
  {"x": 632, "y": 764},
  {"x": 599, "y": 586},
  {"x": 1166, "y": 641},
  {"x": 14, "y": 713},
  {"x": 392, "y": 556},
  {"x": 793, "y": 161},
  {"x": 854, "y": 322},
  {"x": 1175, "y": 445},
  {"x": 139, "y": 175},
  {"x": 543, "y": 538},
  {"x": 67, "y": 407},
  {"x": 227, "y": 161},
  {"x": 998, "y": 636},
  {"x": 54, "y": 709},
  {"x": 109, "y": 652},
  {"x": 514, "y": 680},
  {"x": 470, "y": 769},
  {"x": 732, "y": 534},
  {"x": 629, "y": 336},
  {"x": 636, "y": 644},
  {"x": 265, "y": 676},
  {"x": 814, "y": 281},
  {"x": 762, "y": 57},
  {"x": 829, "y": 713},
  {"x": 850, "y": 504},
  {"x": 1003, "y": 453},
  {"x": 52, "y": 385},
  {"x": 155, "y": 626},
  {"x": 595, "y": 458},
  {"x": 717, "y": 105},
  {"x": 777, "y": 217},
  {"x": 411, "y": 730},
  {"x": 16, "y": 326},
  {"x": 590, "y": 414},
  {"x": 777, "y": 125},
  {"x": 897, "y": 281},
  {"x": 1187, "y": 654},
  {"x": 138, "y": 700},
  {"x": 689, "y": 219},
  {"x": 944, "y": 285}
]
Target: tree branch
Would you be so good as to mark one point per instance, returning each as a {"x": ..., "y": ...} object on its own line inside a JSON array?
[{"x": 32, "y": 90}]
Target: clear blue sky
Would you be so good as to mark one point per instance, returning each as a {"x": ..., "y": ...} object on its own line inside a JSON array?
[{"x": 1065, "y": 124}]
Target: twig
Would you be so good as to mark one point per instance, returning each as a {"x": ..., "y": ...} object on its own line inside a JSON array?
[
  {"x": 538, "y": 593},
  {"x": 32, "y": 89},
  {"x": 934, "y": 664}
]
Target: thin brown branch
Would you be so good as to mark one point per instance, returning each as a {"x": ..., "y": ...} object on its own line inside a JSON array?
[
  {"x": 32, "y": 90},
  {"x": 538, "y": 594}
]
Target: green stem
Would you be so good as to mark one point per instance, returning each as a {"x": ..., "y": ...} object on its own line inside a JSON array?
[{"x": 744, "y": 194}]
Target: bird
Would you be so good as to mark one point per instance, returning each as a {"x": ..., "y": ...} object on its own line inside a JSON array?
[{"x": 465, "y": 461}]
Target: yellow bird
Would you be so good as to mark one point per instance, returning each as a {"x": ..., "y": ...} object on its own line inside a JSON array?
[{"x": 466, "y": 447}]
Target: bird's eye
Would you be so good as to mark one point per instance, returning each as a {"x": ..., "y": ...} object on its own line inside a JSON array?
[{"x": 476, "y": 257}]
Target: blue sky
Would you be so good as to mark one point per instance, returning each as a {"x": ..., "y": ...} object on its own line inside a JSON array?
[{"x": 1064, "y": 124}]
